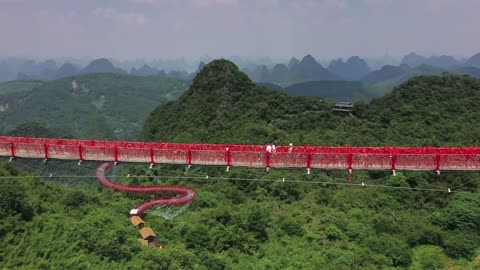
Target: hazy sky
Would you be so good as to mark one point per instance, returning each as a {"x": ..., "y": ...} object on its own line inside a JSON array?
[{"x": 129, "y": 29}]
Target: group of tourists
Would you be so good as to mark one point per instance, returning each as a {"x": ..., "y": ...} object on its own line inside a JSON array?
[{"x": 272, "y": 149}]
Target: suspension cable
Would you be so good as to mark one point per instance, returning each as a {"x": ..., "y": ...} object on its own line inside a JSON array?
[
  {"x": 283, "y": 180},
  {"x": 471, "y": 181}
]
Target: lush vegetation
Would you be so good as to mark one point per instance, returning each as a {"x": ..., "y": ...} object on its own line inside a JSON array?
[
  {"x": 388, "y": 77},
  {"x": 45, "y": 226},
  {"x": 268, "y": 224},
  {"x": 333, "y": 90},
  {"x": 18, "y": 86},
  {"x": 240, "y": 224},
  {"x": 118, "y": 103}
]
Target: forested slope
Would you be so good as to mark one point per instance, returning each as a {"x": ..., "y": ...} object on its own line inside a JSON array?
[
  {"x": 224, "y": 106},
  {"x": 333, "y": 90},
  {"x": 115, "y": 102},
  {"x": 345, "y": 227},
  {"x": 429, "y": 110}
]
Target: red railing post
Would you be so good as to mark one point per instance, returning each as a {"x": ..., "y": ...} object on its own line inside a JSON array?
[
  {"x": 152, "y": 161},
  {"x": 189, "y": 158},
  {"x": 80, "y": 152},
  {"x": 394, "y": 163},
  {"x": 45, "y": 148},
  {"x": 437, "y": 163},
  {"x": 309, "y": 161},
  {"x": 115, "y": 153},
  {"x": 227, "y": 158},
  {"x": 267, "y": 160},
  {"x": 350, "y": 166},
  {"x": 12, "y": 149},
  {"x": 350, "y": 161}
]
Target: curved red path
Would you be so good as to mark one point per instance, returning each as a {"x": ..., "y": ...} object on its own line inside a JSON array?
[{"x": 184, "y": 195}]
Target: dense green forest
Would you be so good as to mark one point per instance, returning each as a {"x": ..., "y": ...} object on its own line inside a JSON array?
[
  {"x": 265, "y": 223},
  {"x": 334, "y": 90},
  {"x": 224, "y": 106},
  {"x": 18, "y": 86},
  {"x": 118, "y": 103}
]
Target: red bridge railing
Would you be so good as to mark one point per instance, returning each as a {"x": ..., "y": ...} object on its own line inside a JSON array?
[{"x": 310, "y": 157}]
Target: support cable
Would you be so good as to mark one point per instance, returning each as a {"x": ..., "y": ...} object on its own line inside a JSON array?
[{"x": 277, "y": 180}]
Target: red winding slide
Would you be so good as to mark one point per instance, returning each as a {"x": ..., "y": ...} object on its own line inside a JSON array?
[{"x": 184, "y": 195}]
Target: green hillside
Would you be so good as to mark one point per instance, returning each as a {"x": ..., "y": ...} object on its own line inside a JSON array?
[
  {"x": 433, "y": 110},
  {"x": 46, "y": 226},
  {"x": 374, "y": 85},
  {"x": 251, "y": 219},
  {"x": 224, "y": 106},
  {"x": 18, "y": 86},
  {"x": 230, "y": 109},
  {"x": 112, "y": 102},
  {"x": 333, "y": 90},
  {"x": 384, "y": 82},
  {"x": 345, "y": 228},
  {"x": 238, "y": 225}
]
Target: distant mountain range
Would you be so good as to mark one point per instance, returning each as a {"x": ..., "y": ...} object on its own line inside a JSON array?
[
  {"x": 281, "y": 75},
  {"x": 473, "y": 61},
  {"x": 101, "y": 65},
  {"x": 414, "y": 60},
  {"x": 48, "y": 70},
  {"x": 357, "y": 69},
  {"x": 385, "y": 73},
  {"x": 308, "y": 69},
  {"x": 353, "y": 69}
]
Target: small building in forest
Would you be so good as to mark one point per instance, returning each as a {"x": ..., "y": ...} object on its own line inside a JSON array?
[
  {"x": 343, "y": 107},
  {"x": 137, "y": 221},
  {"x": 143, "y": 242},
  {"x": 149, "y": 238}
]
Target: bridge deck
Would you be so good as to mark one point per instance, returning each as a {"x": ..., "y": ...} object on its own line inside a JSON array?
[{"x": 311, "y": 157}]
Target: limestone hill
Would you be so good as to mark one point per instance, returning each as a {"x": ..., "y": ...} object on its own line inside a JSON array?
[{"x": 223, "y": 105}]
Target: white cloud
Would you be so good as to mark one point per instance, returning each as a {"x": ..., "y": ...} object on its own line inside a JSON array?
[
  {"x": 148, "y": 2},
  {"x": 11, "y": 1},
  {"x": 377, "y": 3},
  {"x": 339, "y": 4},
  {"x": 154, "y": 3},
  {"x": 214, "y": 3},
  {"x": 319, "y": 9},
  {"x": 128, "y": 18}
]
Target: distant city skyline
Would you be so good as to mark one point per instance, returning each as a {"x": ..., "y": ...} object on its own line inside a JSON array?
[{"x": 251, "y": 29}]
